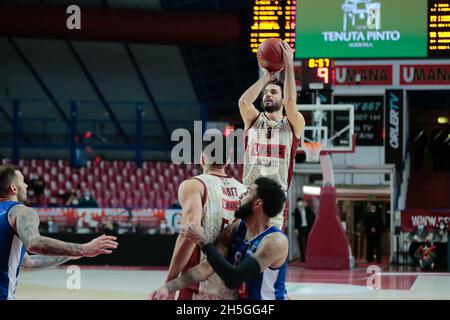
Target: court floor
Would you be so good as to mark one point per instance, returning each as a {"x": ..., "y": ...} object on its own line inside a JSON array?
[{"x": 122, "y": 283}]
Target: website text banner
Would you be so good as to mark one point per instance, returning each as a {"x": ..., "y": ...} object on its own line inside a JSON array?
[{"x": 429, "y": 218}]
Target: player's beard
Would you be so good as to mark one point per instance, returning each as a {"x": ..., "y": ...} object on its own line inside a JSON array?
[
  {"x": 271, "y": 107},
  {"x": 244, "y": 211}
]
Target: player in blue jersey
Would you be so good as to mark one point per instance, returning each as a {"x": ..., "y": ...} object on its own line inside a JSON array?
[
  {"x": 19, "y": 234},
  {"x": 249, "y": 254}
]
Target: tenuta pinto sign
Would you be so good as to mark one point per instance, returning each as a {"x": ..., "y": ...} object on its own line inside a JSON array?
[{"x": 361, "y": 28}]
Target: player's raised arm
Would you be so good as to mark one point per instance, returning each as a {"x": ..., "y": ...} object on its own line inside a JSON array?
[
  {"x": 290, "y": 92},
  {"x": 248, "y": 111}
]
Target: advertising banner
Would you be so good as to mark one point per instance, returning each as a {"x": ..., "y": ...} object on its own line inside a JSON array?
[{"x": 361, "y": 29}]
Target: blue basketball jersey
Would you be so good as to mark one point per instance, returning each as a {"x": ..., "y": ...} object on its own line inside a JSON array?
[
  {"x": 268, "y": 285},
  {"x": 12, "y": 252}
]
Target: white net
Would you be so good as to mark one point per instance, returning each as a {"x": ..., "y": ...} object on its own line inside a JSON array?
[{"x": 312, "y": 150}]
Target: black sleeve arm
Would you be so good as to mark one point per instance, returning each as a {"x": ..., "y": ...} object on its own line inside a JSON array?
[{"x": 232, "y": 275}]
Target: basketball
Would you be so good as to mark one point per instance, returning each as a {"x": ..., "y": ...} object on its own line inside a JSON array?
[{"x": 270, "y": 54}]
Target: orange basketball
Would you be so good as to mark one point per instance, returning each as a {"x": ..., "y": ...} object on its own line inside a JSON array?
[{"x": 270, "y": 54}]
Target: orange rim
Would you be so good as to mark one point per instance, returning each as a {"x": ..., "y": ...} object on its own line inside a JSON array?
[{"x": 312, "y": 145}]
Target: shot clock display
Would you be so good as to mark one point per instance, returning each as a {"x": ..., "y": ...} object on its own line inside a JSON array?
[{"x": 317, "y": 73}]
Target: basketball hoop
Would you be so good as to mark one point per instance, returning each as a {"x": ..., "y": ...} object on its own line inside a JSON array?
[{"x": 312, "y": 150}]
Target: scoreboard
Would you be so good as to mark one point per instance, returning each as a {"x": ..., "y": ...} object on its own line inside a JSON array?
[
  {"x": 273, "y": 19},
  {"x": 439, "y": 29},
  {"x": 317, "y": 74},
  {"x": 321, "y": 31},
  {"x": 373, "y": 29}
]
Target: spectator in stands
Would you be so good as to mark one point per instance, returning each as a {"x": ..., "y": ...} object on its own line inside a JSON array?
[
  {"x": 441, "y": 232},
  {"x": 374, "y": 228},
  {"x": 32, "y": 198},
  {"x": 35, "y": 190},
  {"x": 37, "y": 184},
  {"x": 108, "y": 226},
  {"x": 426, "y": 256},
  {"x": 440, "y": 240},
  {"x": 417, "y": 237},
  {"x": 53, "y": 202},
  {"x": 175, "y": 205},
  {"x": 72, "y": 199},
  {"x": 420, "y": 233},
  {"x": 87, "y": 201},
  {"x": 111, "y": 226},
  {"x": 52, "y": 227},
  {"x": 304, "y": 219},
  {"x": 63, "y": 195},
  {"x": 164, "y": 228},
  {"x": 419, "y": 144}
]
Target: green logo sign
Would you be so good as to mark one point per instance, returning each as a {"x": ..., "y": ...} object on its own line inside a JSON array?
[{"x": 361, "y": 28}]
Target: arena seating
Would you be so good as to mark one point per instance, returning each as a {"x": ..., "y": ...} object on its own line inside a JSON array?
[{"x": 114, "y": 184}]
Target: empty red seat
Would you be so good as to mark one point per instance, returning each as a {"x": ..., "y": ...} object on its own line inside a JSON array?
[{"x": 117, "y": 183}]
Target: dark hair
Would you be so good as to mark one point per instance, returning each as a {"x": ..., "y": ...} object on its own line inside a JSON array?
[
  {"x": 272, "y": 195},
  {"x": 274, "y": 82},
  {"x": 7, "y": 176},
  {"x": 300, "y": 198},
  {"x": 213, "y": 159}
]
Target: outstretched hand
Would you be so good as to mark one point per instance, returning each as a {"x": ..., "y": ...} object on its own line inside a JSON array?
[
  {"x": 160, "y": 294},
  {"x": 100, "y": 245},
  {"x": 271, "y": 74}
]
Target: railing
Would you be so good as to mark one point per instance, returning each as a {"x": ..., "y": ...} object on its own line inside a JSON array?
[{"x": 69, "y": 126}]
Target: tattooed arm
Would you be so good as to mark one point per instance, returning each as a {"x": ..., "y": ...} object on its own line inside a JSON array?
[
  {"x": 272, "y": 252},
  {"x": 40, "y": 261},
  {"x": 200, "y": 272},
  {"x": 204, "y": 270},
  {"x": 25, "y": 222},
  {"x": 196, "y": 274}
]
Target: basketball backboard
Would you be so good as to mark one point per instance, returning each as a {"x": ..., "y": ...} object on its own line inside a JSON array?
[{"x": 330, "y": 124}]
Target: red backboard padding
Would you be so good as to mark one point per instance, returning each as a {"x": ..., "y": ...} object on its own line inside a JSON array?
[{"x": 328, "y": 246}]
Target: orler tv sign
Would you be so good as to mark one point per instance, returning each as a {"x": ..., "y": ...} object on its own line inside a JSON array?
[{"x": 393, "y": 143}]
